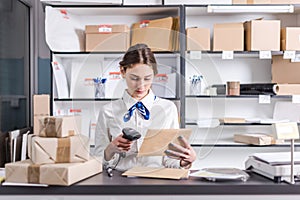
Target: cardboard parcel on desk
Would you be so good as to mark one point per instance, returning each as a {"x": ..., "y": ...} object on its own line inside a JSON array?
[
  {"x": 52, "y": 174},
  {"x": 159, "y": 34},
  {"x": 156, "y": 141}
]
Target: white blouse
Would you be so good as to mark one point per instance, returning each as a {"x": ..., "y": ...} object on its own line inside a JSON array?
[{"x": 163, "y": 115}]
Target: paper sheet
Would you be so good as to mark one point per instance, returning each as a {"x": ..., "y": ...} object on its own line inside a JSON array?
[{"x": 154, "y": 172}]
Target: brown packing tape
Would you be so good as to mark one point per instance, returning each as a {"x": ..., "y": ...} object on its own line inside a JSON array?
[
  {"x": 52, "y": 126},
  {"x": 33, "y": 173},
  {"x": 63, "y": 152}
]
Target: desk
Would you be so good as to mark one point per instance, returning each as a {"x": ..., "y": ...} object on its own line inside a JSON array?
[{"x": 101, "y": 184}]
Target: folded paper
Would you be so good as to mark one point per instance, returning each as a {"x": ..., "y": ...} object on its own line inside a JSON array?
[
  {"x": 51, "y": 174},
  {"x": 59, "y": 150},
  {"x": 59, "y": 126},
  {"x": 153, "y": 172},
  {"x": 156, "y": 141}
]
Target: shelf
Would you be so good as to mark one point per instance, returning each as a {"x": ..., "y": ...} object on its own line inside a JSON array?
[
  {"x": 228, "y": 142},
  {"x": 242, "y": 145},
  {"x": 112, "y": 10},
  {"x": 221, "y": 96},
  {"x": 98, "y": 99},
  {"x": 240, "y": 96},
  {"x": 84, "y": 99},
  {"x": 195, "y": 10},
  {"x": 234, "y": 124},
  {"x": 109, "y": 54},
  {"x": 236, "y": 54}
]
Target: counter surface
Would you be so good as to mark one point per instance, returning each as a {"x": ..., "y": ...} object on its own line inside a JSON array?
[{"x": 102, "y": 184}]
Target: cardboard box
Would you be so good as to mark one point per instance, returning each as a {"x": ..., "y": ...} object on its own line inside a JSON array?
[
  {"x": 285, "y": 71},
  {"x": 51, "y": 174},
  {"x": 197, "y": 39},
  {"x": 159, "y": 35},
  {"x": 228, "y": 37},
  {"x": 290, "y": 38},
  {"x": 58, "y": 126},
  {"x": 41, "y": 105},
  {"x": 256, "y": 139},
  {"x": 59, "y": 150},
  {"x": 262, "y": 35},
  {"x": 107, "y": 37}
]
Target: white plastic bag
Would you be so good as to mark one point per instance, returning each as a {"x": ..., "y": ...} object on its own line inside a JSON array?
[{"x": 63, "y": 31}]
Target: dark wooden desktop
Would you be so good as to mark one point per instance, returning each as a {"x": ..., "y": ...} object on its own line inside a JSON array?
[{"x": 102, "y": 184}]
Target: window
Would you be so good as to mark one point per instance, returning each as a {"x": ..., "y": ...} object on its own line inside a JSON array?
[{"x": 14, "y": 65}]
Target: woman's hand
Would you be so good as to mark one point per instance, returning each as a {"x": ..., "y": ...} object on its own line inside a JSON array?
[
  {"x": 184, "y": 152},
  {"x": 118, "y": 145}
]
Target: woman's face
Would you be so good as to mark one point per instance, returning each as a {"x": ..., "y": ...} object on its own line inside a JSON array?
[{"x": 139, "y": 80}]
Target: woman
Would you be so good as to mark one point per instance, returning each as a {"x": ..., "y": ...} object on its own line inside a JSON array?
[{"x": 141, "y": 110}]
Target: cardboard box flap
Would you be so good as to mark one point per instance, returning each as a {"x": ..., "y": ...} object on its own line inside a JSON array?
[
  {"x": 153, "y": 172},
  {"x": 156, "y": 141},
  {"x": 106, "y": 28}
]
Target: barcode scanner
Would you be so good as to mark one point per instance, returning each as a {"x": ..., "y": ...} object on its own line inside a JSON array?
[{"x": 130, "y": 134}]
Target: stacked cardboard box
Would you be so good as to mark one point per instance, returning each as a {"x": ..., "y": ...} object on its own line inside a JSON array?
[
  {"x": 197, "y": 39},
  {"x": 159, "y": 34},
  {"x": 290, "y": 38},
  {"x": 228, "y": 37},
  {"x": 40, "y": 109},
  {"x": 59, "y": 154},
  {"x": 261, "y": 35},
  {"x": 107, "y": 37},
  {"x": 285, "y": 74}
]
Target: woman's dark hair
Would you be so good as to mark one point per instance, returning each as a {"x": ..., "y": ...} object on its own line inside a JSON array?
[{"x": 139, "y": 53}]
